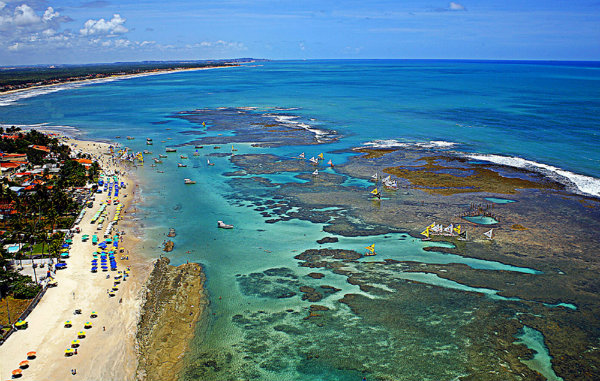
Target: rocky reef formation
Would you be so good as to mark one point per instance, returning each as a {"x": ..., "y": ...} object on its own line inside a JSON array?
[{"x": 175, "y": 301}]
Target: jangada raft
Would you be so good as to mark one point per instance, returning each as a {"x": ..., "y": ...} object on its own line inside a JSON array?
[{"x": 223, "y": 225}]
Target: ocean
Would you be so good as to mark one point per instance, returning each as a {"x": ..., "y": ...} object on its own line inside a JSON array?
[{"x": 541, "y": 116}]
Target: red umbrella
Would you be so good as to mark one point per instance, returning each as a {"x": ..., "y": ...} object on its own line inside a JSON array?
[
  {"x": 24, "y": 364},
  {"x": 31, "y": 355},
  {"x": 17, "y": 372}
]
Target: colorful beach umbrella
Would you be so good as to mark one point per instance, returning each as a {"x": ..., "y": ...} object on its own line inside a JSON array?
[
  {"x": 87, "y": 325},
  {"x": 24, "y": 364},
  {"x": 31, "y": 355},
  {"x": 93, "y": 314},
  {"x": 17, "y": 372},
  {"x": 68, "y": 324},
  {"x": 69, "y": 352},
  {"x": 81, "y": 334},
  {"x": 74, "y": 343}
]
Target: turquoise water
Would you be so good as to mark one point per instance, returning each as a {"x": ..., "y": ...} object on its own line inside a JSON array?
[
  {"x": 482, "y": 220},
  {"x": 497, "y": 200},
  {"x": 539, "y": 115},
  {"x": 541, "y": 360}
]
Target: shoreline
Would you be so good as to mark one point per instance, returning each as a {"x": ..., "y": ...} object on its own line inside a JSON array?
[
  {"x": 110, "y": 348},
  {"x": 110, "y": 78}
]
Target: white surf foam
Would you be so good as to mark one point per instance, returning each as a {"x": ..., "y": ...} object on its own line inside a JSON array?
[
  {"x": 321, "y": 136},
  {"x": 393, "y": 143},
  {"x": 580, "y": 183}
]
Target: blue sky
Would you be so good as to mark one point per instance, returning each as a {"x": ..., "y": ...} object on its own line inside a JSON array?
[{"x": 70, "y": 31}]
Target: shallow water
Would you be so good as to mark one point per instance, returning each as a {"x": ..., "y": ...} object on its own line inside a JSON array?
[{"x": 251, "y": 269}]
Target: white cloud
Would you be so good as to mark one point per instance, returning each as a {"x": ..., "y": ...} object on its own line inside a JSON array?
[
  {"x": 50, "y": 14},
  {"x": 112, "y": 27},
  {"x": 219, "y": 44},
  {"x": 456, "y": 7},
  {"x": 25, "y": 15}
]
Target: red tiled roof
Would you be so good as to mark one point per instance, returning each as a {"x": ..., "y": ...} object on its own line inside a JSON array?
[
  {"x": 10, "y": 165},
  {"x": 41, "y": 148}
]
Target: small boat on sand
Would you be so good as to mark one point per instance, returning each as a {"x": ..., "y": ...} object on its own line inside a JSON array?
[
  {"x": 189, "y": 181},
  {"x": 223, "y": 225},
  {"x": 181, "y": 165}
]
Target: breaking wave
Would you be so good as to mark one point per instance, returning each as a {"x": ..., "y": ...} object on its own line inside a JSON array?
[
  {"x": 393, "y": 143},
  {"x": 581, "y": 184}
]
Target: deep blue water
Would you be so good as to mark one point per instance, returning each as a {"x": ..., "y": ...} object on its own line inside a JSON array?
[{"x": 535, "y": 114}]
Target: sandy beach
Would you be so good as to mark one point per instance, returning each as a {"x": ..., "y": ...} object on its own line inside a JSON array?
[
  {"x": 110, "y": 78},
  {"x": 108, "y": 350}
]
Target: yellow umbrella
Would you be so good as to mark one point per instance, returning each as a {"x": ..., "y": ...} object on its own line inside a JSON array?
[
  {"x": 69, "y": 352},
  {"x": 68, "y": 324},
  {"x": 21, "y": 324},
  {"x": 81, "y": 334},
  {"x": 93, "y": 314},
  {"x": 74, "y": 343},
  {"x": 87, "y": 325}
]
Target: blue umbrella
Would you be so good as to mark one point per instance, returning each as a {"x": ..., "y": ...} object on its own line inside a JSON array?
[{"x": 65, "y": 245}]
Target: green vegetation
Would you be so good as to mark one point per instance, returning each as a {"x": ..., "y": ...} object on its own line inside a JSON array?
[{"x": 15, "y": 78}]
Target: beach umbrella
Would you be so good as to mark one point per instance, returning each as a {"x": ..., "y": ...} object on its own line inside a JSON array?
[
  {"x": 17, "y": 373},
  {"x": 69, "y": 240},
  {"x": 94, "y": 269},
  {"x": 87, "y": 325},
  {"x": 69, "y": 352},
  {"x": 68, "y": 324},
  {"x": 74, "y": 343},
  {"x": 24, "y": 364},
  {"x": 93, "y": 314},
  {"x": 81, "y": 334},
  {"x": 21, "y": 324},
  {"x": 31, "y": 355}
]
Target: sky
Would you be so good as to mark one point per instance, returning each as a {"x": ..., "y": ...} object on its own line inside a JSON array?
[{"x": 91, "y": 31}]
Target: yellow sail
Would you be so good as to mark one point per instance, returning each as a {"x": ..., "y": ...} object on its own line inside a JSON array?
[
  {"x": 320, "y": 155},
  {"x": 457, "y": 229},
  {"x": 426, "y": 232},
  {"x": 431, "y": 226},
  {"x": 371, "y": 248},
  {"x": 375, "y": 192}
]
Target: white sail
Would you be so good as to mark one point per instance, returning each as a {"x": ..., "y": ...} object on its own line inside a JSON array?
[
  {"x": 448, "y": 229},
  {"x": 387, "y": 179},
  {"x": 313, "y": 160},
  {"x": 316, "y": 172},
  {"x": 489, "y": 233},
  {"x": 301, "y": 156},
  {"x": 375, "y": 177}
]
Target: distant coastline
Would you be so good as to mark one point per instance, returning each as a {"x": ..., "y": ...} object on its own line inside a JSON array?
[{"x": 91, "y": 78}]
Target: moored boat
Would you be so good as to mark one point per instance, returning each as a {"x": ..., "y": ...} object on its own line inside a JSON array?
[
  {"x": 223, "y": 225},
  {"x": 181, "y": 165},
  {"x": 171, "y": 150},
  {"x": 189, "y": 181}
]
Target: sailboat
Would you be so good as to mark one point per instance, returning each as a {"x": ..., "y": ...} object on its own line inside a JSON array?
[
  {"x": 375, "y": 193},
  {"x": 209, "y": 163},
  {"x": 489, "y": 234},
  {"x": 370, "y": 250},
  {"x": 316, "y": 172},
  {"x": 233, "y": 149},
  {"x": 426, "y": 233},
  {"x": 330, "y": 163},
  {"x": 313, "y": 160},
  {"x": 375, "y": 177},
  {"x": 301, "y": 156},
  {"x": 320, "y": 156}
]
